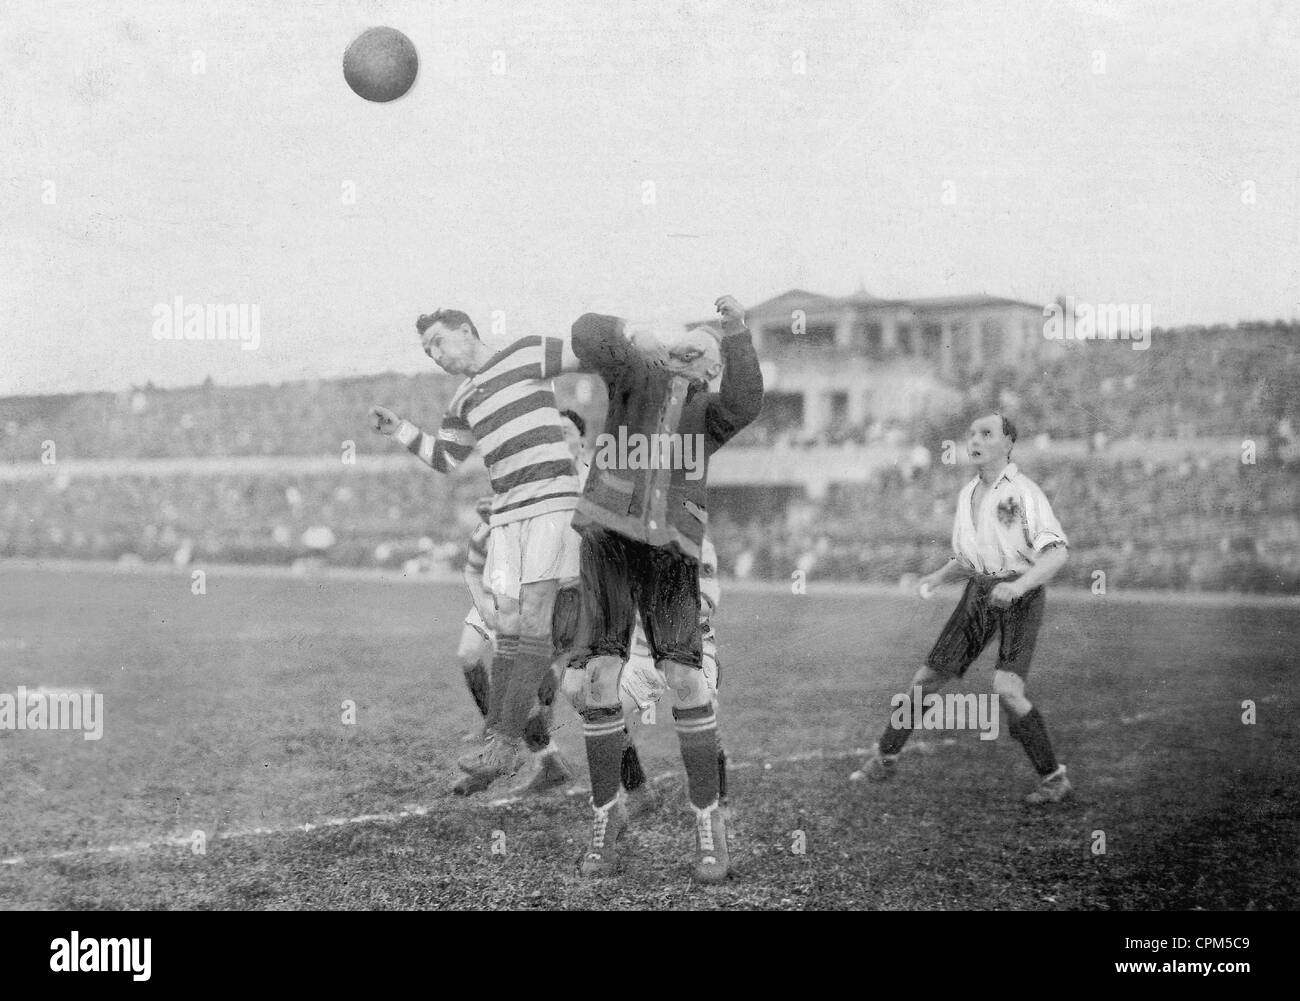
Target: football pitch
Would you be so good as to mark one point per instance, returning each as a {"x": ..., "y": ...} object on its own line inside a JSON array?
[{"x": 227, "y": 777}]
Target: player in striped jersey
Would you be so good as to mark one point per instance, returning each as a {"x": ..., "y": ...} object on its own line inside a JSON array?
[{"x": 506, "y": 406}]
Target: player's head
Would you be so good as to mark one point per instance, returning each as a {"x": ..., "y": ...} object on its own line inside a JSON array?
[
  {"x": 695, "y": 352},
  {"x": 450, "y": 338},
  {"x": 575, "y": 430},
  {"x": 990, "y": 440}
]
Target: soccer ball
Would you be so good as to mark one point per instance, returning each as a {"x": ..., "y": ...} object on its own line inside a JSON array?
[{"x": 381, "y": 64}]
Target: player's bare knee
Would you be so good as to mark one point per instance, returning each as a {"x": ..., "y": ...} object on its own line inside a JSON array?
[
  {"x": 688, "y": 683},
  {"x": 602, "y": 681},
  {"x": 928, "y": 679},
  {"x": 573, "y": 688},
  {"x": 1010, "y": 689}
]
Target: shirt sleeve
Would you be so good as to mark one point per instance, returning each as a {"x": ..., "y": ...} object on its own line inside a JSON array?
[
  {"x": 445, "y": 451},
  {"x": 740, "y": 397},
  {"x": 1040, "y": 520}
]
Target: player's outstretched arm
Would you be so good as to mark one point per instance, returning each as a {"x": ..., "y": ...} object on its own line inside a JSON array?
[
  {"x": 445, "y": 452},
  {"x": 740, "y": 397}
]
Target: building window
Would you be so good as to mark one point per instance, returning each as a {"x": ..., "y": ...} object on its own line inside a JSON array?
[
  {"x": 871, "y": 339},
  {"x": 815, "y": 335},
  {"x": 931, "y": 340}
]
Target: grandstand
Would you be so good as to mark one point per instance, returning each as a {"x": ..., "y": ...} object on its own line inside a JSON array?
[{"x": 847, "y": 474}]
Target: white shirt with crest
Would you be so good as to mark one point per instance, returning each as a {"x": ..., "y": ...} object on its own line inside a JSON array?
[{"x": 1014, "y": 523}]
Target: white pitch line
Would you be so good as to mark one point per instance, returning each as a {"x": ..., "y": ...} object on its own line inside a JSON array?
[
  {"x": 371, "y": 818},
  {"x": 913, "y": 747}
]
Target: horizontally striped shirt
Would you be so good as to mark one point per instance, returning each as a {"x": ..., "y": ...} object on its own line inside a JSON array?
[{"x": 508, "y": 408}]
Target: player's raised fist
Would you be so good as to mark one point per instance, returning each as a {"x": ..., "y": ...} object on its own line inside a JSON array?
[
  {"x": 732, "y": 312},
  {"x": 384, "y": 420}
]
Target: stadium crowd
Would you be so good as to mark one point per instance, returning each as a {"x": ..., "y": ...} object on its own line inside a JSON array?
[
  {"x": 1220, "y": 381},
  {"x": 1153, "y": 522},
  {"x": 1196, "y": 525}
]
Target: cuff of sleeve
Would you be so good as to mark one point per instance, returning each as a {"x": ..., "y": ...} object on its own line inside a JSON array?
[
  {"x": 406, "y": 433},
  {"x": 1045, "y": 539}
]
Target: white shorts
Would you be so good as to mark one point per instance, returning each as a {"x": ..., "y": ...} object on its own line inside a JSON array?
[{"x": 524, "y": 552}]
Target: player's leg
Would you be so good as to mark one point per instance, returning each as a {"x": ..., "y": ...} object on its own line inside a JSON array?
[
  {"x": 542, "y": 546},
  {"x": 608, "y": 608},
  {"x": 641, "y": 687},
  {"x": 671, "y": 616},
  {"x": 713, "y": 677},
  {"x": 501, "y": 574},
  {"x": 967, "y": 632},
  {"x": 547, "y": 767},
  {"x": 474, "y": 654},
  {"x": 1020, "y": 625}
]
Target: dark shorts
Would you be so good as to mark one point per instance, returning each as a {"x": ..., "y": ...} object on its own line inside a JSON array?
[
  {"x": 974, "y": 622},
  {"x": 621, "y": 577}
]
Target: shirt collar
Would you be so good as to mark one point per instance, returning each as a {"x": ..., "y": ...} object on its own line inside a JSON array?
[{"x": 1007, "y": 474}]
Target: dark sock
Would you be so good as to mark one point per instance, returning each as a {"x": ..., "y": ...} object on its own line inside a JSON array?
[
  {"x": 503, "y": 666},
  {"x": 722, "y": 775},
  {"x": 537, "y": 731},
  {"x": 602, "y": 729},
  {"x": 1031, "y": 731},
  {"x": 630, "y": 772},
  {"x": 892, "y": 740},
  {"x": 697, "y": 733},
  {"x": 476, "y": 677},
  {"x": 532, "y": 664}
]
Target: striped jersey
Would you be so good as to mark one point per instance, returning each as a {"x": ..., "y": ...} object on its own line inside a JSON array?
[{"x": 508, "y": 409}]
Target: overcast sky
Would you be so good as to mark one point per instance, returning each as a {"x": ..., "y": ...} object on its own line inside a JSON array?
[{"x": 1106, "y": 150}]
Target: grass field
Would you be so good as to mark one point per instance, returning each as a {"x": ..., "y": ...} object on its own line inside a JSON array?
[{"x": 223, "y": 715}]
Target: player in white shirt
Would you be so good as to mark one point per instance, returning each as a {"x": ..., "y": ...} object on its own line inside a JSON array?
[{"x": 1007, "y": 543}]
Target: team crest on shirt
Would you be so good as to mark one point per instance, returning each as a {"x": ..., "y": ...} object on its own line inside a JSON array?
[{"x": 1009, "y": 511}]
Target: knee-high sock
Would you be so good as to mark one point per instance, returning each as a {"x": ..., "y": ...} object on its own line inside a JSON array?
[
  {"x": 537, "y": 730},
  {"x": 722, "y": 774},
  {"x": 602, "y": 729},
  {"x": 476, "y": 679},
  {"x": 893, "y": 739},
  {"x": 1031, "y": 731},
  {"x": 631, "y": 774},
  {"x": 697, "y": 732},
  {"x": 531, "y": 665},
  {"x": 503, "y": 666}
]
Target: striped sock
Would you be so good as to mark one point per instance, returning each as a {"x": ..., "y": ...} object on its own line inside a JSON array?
[
  {"x": 532, "y": 663},
  {"x": 1031, "y": 731},
  {"x": 697, "y": 732},
  {"x": 603, "y": 730},
  {"x": 503, "y": 666}
]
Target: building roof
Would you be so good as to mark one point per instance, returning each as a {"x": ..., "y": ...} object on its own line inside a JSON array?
[{"x": 800, "y": 298}]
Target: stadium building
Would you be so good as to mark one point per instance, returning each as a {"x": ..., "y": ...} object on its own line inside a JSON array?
[{"x": 839, "y": 372}]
